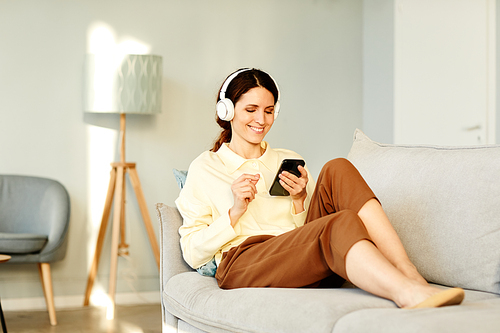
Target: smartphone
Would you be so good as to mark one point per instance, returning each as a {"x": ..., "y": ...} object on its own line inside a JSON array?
[{"x": 290, "y": 165}]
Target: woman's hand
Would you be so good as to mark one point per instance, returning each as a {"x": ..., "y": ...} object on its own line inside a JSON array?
[
  {"x": 296, "y": 187},
  {"x": 244, "y": 190}
]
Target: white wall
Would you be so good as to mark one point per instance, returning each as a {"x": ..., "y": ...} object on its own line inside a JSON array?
[
  {"x": 312, "y": 48},
  {"x": 379, "y": 72},
  {"x": 498, "y": 70},
  {"x": 444, "y": 71}
]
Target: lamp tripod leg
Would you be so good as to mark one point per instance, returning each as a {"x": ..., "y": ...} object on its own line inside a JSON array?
[
  {"x": 123, "y": 246},
  {"x": 100, "y": 237},
  {"x": 115, "y": 236},
  {"x": 136, "y": 184},
  {"x": 116, "y": 190}
]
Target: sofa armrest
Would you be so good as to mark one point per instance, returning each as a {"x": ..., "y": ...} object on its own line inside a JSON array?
[{"x": 171, "y": 262}]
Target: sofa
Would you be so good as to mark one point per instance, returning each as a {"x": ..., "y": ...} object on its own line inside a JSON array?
[{"x": 444, "y": 203}]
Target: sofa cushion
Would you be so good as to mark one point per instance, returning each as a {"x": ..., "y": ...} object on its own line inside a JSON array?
[
  {"x": 16, "y": 243},
  {"x": 199, "y": 301},
  {"x": 444, "y": 203},
  {"x": 479, "y": 316}
]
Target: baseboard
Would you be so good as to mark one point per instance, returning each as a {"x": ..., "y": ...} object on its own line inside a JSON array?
[{"x": 68, "y": 302}]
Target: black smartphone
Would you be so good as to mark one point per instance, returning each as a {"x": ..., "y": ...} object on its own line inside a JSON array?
[{"x": 290, "y": 165}]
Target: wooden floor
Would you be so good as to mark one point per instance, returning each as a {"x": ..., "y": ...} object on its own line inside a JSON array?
[{"x": 128, "y": 319}]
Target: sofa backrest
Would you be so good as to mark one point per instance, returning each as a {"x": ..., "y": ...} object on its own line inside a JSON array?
[{"x": 444, "y": 203}]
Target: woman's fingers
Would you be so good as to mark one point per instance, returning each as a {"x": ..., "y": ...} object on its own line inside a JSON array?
[
  {"x": 244, "y": 188},
  {"x": 290, "y": 180},
  {"x": 293, "y": 184}
]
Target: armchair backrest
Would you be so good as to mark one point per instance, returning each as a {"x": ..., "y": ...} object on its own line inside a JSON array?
[{"x": 38, "y": 206}]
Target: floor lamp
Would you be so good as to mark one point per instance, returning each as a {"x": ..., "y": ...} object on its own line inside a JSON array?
[{"x": 130, "y": 84}]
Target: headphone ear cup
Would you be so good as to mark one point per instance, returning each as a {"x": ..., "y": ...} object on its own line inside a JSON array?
[
  {"x": 225, "y": 109},
  {"x": 276, "y": 109}
]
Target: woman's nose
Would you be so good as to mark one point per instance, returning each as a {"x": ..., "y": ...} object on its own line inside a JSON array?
[{"x": 259, "y": 117}]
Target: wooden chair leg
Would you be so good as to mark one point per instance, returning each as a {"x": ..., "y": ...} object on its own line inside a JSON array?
[
  {"x": 2, "y": 320},
  {"x": 46, "y": 278}
]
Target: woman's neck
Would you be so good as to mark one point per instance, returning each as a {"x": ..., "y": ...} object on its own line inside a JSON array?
[{"x": 247, "y": 151}]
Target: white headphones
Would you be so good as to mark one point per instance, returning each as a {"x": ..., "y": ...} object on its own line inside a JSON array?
[{"x": 225, "y": 107}]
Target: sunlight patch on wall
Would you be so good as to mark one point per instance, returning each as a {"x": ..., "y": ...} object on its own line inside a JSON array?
[
  {"x": 109, "y": 52},
  {"x": 109, "y": 49},
  {"x": 101, "y": 143},
  {"x": 102, "y": 39}
]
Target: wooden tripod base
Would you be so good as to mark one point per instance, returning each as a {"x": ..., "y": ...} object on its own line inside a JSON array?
[{"x": 117, "y": 184}]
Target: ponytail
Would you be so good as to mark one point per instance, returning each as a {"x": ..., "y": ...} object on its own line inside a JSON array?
[{"x": 224, "y": 136}]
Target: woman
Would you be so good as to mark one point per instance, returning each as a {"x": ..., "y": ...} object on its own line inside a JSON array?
[{"x": 333, "y": 231}]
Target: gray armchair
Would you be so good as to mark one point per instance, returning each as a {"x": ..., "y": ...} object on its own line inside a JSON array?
[{"x": 34, "y": 220}]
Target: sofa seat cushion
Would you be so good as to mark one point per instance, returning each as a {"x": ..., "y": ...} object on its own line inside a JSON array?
[
  {"x": 444, "y": 203},
  {"x": 472, "y": 316},
  {"x": 21, "y": 243},
  {"x": 199, "y": 301}
]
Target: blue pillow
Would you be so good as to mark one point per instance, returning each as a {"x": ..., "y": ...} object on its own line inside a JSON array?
[{"x": 180, "y": 177}]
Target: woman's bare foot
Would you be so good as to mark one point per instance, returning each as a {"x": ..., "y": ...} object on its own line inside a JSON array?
[
  {"x": 420, "y": 296},
  {"x": 453, "y": 296}
]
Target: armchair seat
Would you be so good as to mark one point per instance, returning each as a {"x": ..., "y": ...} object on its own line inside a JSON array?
[{"x": 21, "y": 243}]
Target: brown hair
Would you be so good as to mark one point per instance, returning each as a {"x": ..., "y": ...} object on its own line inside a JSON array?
[{"x": 240, "y": 85}]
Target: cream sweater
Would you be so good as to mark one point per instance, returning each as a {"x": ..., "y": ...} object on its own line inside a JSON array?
[{"x": 206, "y": 198}]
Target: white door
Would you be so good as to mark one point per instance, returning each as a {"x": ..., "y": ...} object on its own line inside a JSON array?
[{"x": 444, "y": 74}]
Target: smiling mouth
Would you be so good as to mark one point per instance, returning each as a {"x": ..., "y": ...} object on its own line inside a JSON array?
[{"x": 257, "y": 129}]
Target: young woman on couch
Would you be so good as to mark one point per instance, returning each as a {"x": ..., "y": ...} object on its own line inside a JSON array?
[{"x": 333, "y": 231}]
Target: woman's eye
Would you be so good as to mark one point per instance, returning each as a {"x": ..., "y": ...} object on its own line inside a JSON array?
[
  {"x": 269, "y": 112},
  {"x": 250, "y": 110}
]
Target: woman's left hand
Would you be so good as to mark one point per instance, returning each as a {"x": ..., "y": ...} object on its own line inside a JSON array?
[{"x": 296, "y": 186}]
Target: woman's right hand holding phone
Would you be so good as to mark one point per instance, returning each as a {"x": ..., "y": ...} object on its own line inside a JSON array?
[{"x": 244, "y": 190}]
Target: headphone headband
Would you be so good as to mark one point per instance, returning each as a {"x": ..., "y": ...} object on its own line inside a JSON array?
[
  {"x": 222, "y": 94},
  {"x": 225, "y": 107}
]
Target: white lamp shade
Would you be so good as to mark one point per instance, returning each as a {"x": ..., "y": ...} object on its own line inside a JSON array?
[{"x": 126, "y": 84}]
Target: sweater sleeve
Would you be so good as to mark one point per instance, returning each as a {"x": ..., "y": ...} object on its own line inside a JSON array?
[
  {"x": 205, "y": 228},
  {"x": 201, "y": 235}
]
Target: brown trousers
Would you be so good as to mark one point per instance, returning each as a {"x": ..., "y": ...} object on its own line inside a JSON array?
[{"x": 313, "y": 253}]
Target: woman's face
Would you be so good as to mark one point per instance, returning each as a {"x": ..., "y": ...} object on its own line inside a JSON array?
[{"x": 253, "y": 116}]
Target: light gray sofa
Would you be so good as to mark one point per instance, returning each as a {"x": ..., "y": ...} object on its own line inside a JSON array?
[{"x": 444, "y": 202}]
